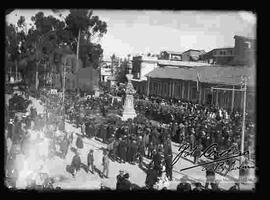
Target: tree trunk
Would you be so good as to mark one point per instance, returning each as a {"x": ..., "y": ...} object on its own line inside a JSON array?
[
  {"x": 78, "y": 48},
  {"x": 37, "y": 79},
  {"x": 16, "y": 70}
]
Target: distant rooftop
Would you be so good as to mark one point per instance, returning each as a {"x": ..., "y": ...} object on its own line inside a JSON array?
[
  {"x": 193, "y": 50},
  {"x": 242, "y": 37},
  {"x": 182, "y": 63},
  {"x": 172, "y": 52},
  {"x": 230, "y": 75}
]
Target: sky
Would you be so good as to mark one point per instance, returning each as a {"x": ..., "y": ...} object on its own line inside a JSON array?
[{"x": 142, "y": 31}]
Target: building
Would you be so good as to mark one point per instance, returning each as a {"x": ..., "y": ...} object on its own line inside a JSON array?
[
  {"x": 219, "y": 56},
  {"x": 170, "y": 55},
  {"x": 244, "y": 50},
  {"x": 242, "y": 54},
  {"x": 195, "y": 84},
  {"x": 163, "y": 63},
  {"x": 105, "y": 71},
  {"x": 192, "y": 55},
  {"x": 141, "y": 65}
]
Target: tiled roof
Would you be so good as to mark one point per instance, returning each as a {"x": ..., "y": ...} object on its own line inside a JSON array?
[{"x": 218, "y": 75}]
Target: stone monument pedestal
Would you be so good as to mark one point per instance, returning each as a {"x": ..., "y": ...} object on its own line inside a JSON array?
[{"x": 129, "y": 111}]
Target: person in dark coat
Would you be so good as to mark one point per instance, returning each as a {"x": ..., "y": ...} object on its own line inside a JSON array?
[
  {"x": 123, "y": 151},
  {"x": 76, "y": 162},
  {"x": 197, "y": 153},
  {"x": 151, "y": 178},
  {"x": 134, "y": 147},
  {"x": 105, "y": 163},
  {"x": 119, "y": 179},
  {"x": 115, "y": 154},
  {"x": 90, "y": 161},
  {"x": 92, "y": 130},
  {"x": 157, "y": 162},
  {"x": 184, "y": 186},
  {"x": 124, "y": 184},
  {"x": 129, "y": 150},
  {"x": 103, "y": 132},
  {"x": 79, "y": 142},
  {"x": 168, "y": 165},
  {"x": 87, "y": 129}
]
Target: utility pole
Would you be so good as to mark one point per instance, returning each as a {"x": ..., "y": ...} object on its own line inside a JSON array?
[
  {"x": 244, "y": 89},
  {"x": 243, "y": 122}
]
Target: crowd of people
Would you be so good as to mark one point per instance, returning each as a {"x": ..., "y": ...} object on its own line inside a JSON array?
[
  {"x": 198, "y": 124},
  {"x": 133, "y": 141}
]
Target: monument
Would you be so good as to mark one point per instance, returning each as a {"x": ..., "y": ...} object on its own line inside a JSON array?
[{"x": 129, "y": 111}]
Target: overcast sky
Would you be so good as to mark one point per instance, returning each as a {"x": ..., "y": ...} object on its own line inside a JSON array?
[{"x": 131, "y": 32}]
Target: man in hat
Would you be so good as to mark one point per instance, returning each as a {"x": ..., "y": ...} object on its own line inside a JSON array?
[
  {"x": 105, "y": 163},
  {"x": 125, "y": 184},
  {"x": 90, "y": 161},
  {"x": 119, "y": 179},
  {"x": 184, "y": 186}
]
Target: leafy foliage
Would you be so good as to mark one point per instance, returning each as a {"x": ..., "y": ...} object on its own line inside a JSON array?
[{"x": 45, "y": 44}]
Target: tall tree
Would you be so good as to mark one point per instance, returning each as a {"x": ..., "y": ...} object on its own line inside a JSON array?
[{"x": 85, "y": 27}]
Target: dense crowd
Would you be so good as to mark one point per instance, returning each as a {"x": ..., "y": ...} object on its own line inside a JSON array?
[
  {"x": 197, "y": 124},
  {"x": 133, "y": 141}
]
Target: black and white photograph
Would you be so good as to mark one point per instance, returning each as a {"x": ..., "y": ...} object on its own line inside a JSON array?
[{"x": 130, "y": 100}]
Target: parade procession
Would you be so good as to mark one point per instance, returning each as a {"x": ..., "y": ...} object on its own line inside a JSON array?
[{"x": 76, "y": 122}]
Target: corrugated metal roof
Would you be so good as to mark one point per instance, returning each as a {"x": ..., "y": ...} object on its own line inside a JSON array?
[
  {"x": 216, "y": 75},
  {"x": 182, "y": 63}
]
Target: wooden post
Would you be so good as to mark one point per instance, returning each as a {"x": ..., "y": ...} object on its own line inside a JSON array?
[
  {"x": 183, "y": 89},
  {"x": 232, "y": 99},
  {"x": 216, "y": 97},
  {"x": 200, "y": 93},
  {"x": 173, "y": 88},
  {"x": 148, "y": 85},
  {"x": 170, "y": 88},
  {"x": 188, "y": 91}
]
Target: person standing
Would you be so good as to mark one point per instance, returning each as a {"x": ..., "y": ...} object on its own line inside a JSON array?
[
  {"x": 90, "y": 161},
  {"x": 76, "y": 163},
  {"x": 197, "y": 153},
  {"x": 210, "y": 175},
  {"x": 146, "y": 140},
  {"x": 115, "y": 149},
  {"x": 119, "y": 179},
  {"x": 168, "y": 165},
  {"x": 157, "y": 161},
  {"x": 105, "y": 163},
  {"x": 192, "y": 140}
]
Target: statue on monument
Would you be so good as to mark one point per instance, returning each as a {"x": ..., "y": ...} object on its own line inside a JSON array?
[{"x": 129, "y": 111}]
